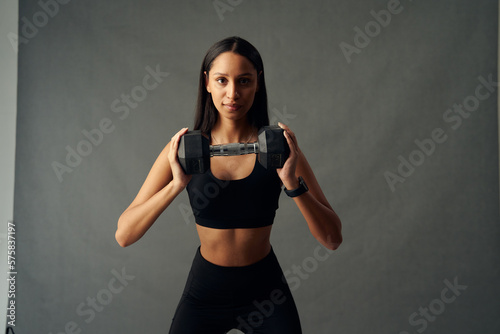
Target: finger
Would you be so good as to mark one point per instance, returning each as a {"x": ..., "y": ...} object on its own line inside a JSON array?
[
  {"x": 291, "y": 140},
  {"x": 284, "y": 127},
  {"x": 177, "y": 138},
  {"x": 292, "y": 146},
  {"x": 180, "y": 133},
  {"x": 173, "y": 148},
  {"x": 287, "y": 129},
  {"x": 174, "y": 144}
]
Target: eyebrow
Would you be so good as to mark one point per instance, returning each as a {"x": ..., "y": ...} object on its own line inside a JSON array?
[{"x": 241, "y": 75}]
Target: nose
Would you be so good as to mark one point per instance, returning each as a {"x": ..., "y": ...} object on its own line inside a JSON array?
[{"x": 232, "y": 91}]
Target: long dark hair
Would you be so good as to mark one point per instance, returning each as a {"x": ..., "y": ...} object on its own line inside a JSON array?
[{"x": 206, "y": 113}]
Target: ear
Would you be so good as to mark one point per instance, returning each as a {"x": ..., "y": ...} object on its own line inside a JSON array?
[{"x": 206, "y": 81}]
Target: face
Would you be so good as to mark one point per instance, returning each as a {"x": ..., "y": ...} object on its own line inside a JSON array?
[{"x": 232, "y": 82}]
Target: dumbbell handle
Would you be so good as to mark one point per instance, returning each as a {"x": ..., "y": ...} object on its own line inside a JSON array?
[{"x": 234, "y": 149}]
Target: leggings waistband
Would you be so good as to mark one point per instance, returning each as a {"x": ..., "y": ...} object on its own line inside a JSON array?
[{"x": 268, "y": 260}]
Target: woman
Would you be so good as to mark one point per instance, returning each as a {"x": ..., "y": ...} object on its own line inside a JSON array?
[{"x": 235, "y": 280}]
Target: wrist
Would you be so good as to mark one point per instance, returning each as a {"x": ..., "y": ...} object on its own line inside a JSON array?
[
  {"x": 299, "y": 190},
  {"x": 177, "y": 187},
  {"x": 292, "y": 183}
]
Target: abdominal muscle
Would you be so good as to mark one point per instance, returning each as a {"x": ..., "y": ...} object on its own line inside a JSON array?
[{"x": 234, "y": 247}]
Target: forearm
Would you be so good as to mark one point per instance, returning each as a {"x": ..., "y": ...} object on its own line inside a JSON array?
[
  {"x": 135, "y": 221},
  {"x": 323, "y": 222}
]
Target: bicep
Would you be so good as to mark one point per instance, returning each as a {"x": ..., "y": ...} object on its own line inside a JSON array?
[
  {"x": 304, "y": 169},
  {"x": 158, "y": 177}
]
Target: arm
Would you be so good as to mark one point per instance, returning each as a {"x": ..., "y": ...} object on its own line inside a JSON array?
[
  {"x": 164, "y": 182},
  {"x": 322, "y": 220}
]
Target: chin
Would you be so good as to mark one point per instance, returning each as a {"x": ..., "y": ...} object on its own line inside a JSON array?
[{"x": 234, "y": 115}]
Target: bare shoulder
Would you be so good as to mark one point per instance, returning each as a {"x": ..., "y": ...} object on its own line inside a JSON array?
[{"x": 158, "y": 177}]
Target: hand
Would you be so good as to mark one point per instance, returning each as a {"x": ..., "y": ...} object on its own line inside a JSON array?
[
  {"x": 287, "y": 173},
  {"x": 179, "y": 178}
]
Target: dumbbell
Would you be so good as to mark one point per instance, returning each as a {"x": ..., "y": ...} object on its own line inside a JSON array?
[{"x": 195, "y": 150}]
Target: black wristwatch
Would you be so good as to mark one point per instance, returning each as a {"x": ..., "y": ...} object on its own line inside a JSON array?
[{"x": 300, "y": 190}]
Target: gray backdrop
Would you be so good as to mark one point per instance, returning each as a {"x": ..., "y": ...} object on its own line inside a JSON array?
[{"x": 390, "y": 103}]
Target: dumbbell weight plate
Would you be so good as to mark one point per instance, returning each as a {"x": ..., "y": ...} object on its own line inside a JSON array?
[
  {"x": 273, "y": 147},
  {"x": 196, "y": 159}
]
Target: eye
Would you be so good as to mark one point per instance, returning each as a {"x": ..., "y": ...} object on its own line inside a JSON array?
[
  {"x": 244, "y": 81},
  {"x": 221, "y": 80}
]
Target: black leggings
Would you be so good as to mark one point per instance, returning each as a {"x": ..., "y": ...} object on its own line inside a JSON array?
[{"x": 254, "y": 299}]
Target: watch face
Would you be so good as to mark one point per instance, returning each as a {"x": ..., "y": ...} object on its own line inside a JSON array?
[{"x": 303, "y": 183}]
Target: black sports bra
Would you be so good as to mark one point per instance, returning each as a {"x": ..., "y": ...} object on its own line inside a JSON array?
[{"x": 245, "y": 203}]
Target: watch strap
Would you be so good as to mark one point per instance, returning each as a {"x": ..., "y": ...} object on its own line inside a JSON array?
[{"x": 298, "y": 191}]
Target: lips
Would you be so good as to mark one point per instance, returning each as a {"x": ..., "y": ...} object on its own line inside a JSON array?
[{"x": 233, "y": 106}]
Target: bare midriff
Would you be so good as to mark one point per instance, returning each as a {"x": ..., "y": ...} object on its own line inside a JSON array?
[{"x": 234, "y": 247}]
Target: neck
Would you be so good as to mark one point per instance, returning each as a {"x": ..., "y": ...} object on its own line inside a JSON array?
[{"x": 229, "y": 131}]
